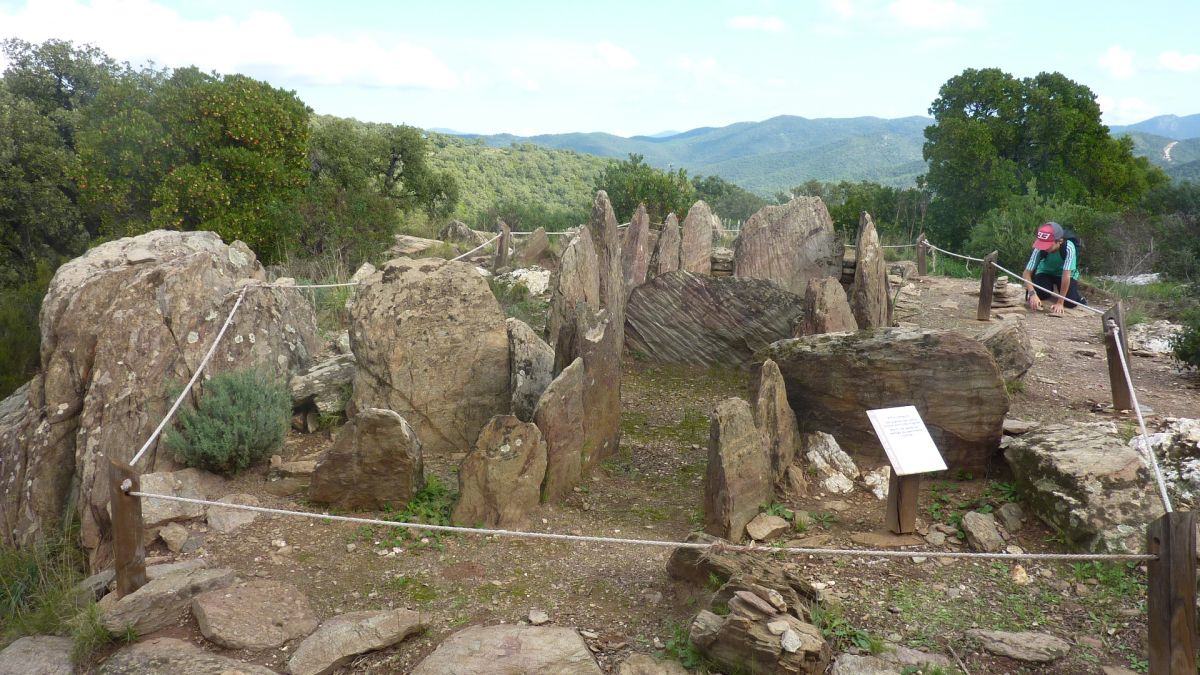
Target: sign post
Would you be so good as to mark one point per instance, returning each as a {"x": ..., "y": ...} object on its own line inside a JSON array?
[{"x": 911, "y": 452}]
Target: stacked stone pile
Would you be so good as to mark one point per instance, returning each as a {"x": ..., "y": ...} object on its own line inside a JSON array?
[
  {"x": 1007, "y": 297},
  {"x": 722, "y": 262}
]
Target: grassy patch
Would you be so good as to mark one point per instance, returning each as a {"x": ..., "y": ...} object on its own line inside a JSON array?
[
  {"x": 431, "y": 505},
  {"x": 679, "y": 647},
  {"x": 518, "y": 304},
  {"x": 413, "y": 589},
  {"x": 841, "y": 633}
]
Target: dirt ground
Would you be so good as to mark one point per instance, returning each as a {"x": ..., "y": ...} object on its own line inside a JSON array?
[{"x": 622, "y": 595}]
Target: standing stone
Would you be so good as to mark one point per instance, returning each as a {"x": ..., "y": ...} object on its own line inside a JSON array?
[
  {"x": 511, "y": 650},
  {"x": 951, "y": 379},
  {"x": 37, "y": 655},
  {"x": 168, "y": 656},
  {"x": 635, "y": 256},
  {"x": 605, "y": 238},
  {"x": 343, "y": 637},
  {"x": 738, "y": 479},
  {"x": 533, "y": 246},
  {"x": 789, "y": 245},
  {"x": 578, "y": 280},
  {"x": 1008, "y": 341},
  {"x": 499, "y": 482},
  {"x": 431, "y": 344},
  {"x": 594, "y": 339},
  {"x": 826, "y": 309},
  {"x": 531, "y": 366},
  {"x": 560, "y": 417},
  {"x": 696, "y": 248},
  {"x": 869, "y": 296},
  {"x": 503, "y": 245},
  {"x": 364, "y": 270},
  {"x": 254, "y": 615},
  {"x": 374, "y": 464},
  {"x": 775, "y": 418},
  {"x": 667, "y": 249}
]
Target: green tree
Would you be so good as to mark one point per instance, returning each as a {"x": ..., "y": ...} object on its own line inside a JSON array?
[
  {"x": 727, "y": 200},
  {"x": 632, "y": 182},
  {"x": 899, "y": 213}
]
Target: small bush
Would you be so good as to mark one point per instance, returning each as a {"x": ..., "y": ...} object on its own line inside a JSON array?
[
  {"x": 1186, "y": 343},
  {"x": 241, "y": 418}
]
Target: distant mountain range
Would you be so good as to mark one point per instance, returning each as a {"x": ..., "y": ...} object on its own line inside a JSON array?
[{"x": 781, "y": 152}]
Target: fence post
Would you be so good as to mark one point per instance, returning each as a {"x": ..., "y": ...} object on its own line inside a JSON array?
[
  {"x": 901, "y": 513},
  {"x": 987, "y": 283},
  {"x": 1171, "y": 595},
  {"x": 129, "y": 551},
  {"x": 922, "y": 265},
  {"x": 1115, "y": 318}
]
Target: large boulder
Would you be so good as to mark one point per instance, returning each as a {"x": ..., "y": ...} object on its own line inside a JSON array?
[
  {"x": 457, "y": 232},
  {"x": 826, "y": 309},
  {"x": 511, "y": 650},
  {"x": 595, "y": 340},
  {"x": 254, "y": 615},
  {"x": 500, "y": 481},
  {"x": 169, "y": 656},
  {"x": 775, "y": 418},
  {"x": 560, "y": 416},
  {"x": 431, "y": 344},
  {"x": 739, "y": 478},
  {"x": 1008, "y": 341},
  {"x": 869, "y": 297},
  {"x": 374, "y": 463},
  {"x": 324, "y": 386},
  {"x": 951, "y": 379},
  {"x": 697, "y": 240},
  {"x": 635, "y": 253},
  {"x": 667, "y": 248},
  {"x": 578, "y": 280},
  {"x": 788, "y": 245},
  {"x": 345, "y": 636},
  {"x": 688, "y": 318},
  {"x": 122, "y": 329},
  {"x": 531, "y": 366},
  {"x": 533, "y": 247},
  {"x": 1087, "y": 484},
  {"x": 37, "y": 655}
]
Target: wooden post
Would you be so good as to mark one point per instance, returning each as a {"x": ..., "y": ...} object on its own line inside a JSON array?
[
  {"x": 1116, "y": 375},
  {"x": 901, "y": 515},
  {"x": 987, "y": 283},
  {"x": 922, "y": 265},
  {"x": 1171, "y": 595},
  {"x": 128, "y": 548}
]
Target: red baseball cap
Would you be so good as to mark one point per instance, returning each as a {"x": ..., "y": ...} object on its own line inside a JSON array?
[{"x": 1047, "y": 234}]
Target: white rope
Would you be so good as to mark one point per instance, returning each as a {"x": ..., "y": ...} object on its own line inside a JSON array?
[
  {"x": 956, "y": 255},
  {"x": 191, "y": 382},
  {"x": 1022, "y": 279},
  {"x": 476, "y": 248},
  {"x": 347, "y": 283},
  {"x": 647, "y": 542},
  {"x": 883, "y": 245},
  {"x": 1145, "y": 436}
]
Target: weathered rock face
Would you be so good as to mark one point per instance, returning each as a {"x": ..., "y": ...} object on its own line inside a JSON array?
[
  {"x": 325, "y": 386},
  {"x": 374, "y": 463},
  {"x": 667, "y": 249},
  {"x": 869, "y": 297},
  {"x": 499, "y": 482},
  {"x": 951, "y": 379},
  {"x": 432, "y": 345},
  {"x": 168, "y": 656},
  {"x": 531, "y": 366},
  {"x": 1008, "y": 341},
  {"x": 503, "y": 246},
  {"x": 40, "y": 654},
  {"x": 190, "y": 483},
  {"x": 688, "y": 318},
  {"x": 603, "y": 229},
  {"x": 697, "y": 244},
  {"x": 835, "y": 470},
  {"x": 789, "y": 245},
  {"x": 755, "y": 637},
  {"x": 253, "y": 615},
  {"x": 595, "y": 340},
  {"x": 700, "y": 567},
  {"x": 121, "y": 327},
  {"x": 560, "y": 416},
  {"x": 635, "y": 253},
  {"x": 739, "y": 478},
  {"x": 775, "y": 418},
  {"x": 826, "y": 309},
  {"x": 533, "y": 247},
  {"x": 510, "y": 650},
  {"x": 1086, "y": 483},
  {"x": 161, "y": 601},
  {"x": 578, "y": 280},
  {"x": 343, "y": 637}
]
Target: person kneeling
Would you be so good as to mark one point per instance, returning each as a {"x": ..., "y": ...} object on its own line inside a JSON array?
[{"x": 1054, "y": 264}]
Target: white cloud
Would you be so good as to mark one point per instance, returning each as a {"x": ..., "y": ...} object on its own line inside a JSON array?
[
  {"x": 767, "y": 24},
  {"x": 616, "y": 58},
  {"x": 523, "y": 80},
  {"x": 263, "y": 44},
  {"x": 1125, "y": 110},
  {"x": 1179, "y": 62},
  {"x": 844, "y": 9},
  {"x": 1118, "y": 61},
  {"x": 936, "y": 14}
]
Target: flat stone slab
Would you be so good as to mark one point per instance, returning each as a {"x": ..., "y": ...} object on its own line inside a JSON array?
[
  {"x": 254, "y": 615},
  {"x": 343, "y": 637},
  {"x": 41, "y": 654},
  {"x": 1024, "y": 646},
  {"x": 168, "y": 656},
  {"x": 161, "y": 601},
  {"x": 227, "y": 520},
  {"x": 511, "y": 650}
]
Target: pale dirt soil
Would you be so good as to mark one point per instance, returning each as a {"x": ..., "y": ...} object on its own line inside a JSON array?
[{"x": 654, "y": 490}]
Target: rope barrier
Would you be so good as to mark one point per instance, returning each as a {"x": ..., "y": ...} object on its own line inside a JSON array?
[
  {"x": 848, "y": 552},
  {"x": 476, "y": 248},
  {"x": 346, "y": 283},
  {"x": 195, "y": 376},
  {"x": 1137, "y": 409},
  {"x": 1022, "y": 279},
  {"x": 883, "y": 245},
  {"x": 956, "y": 255}
]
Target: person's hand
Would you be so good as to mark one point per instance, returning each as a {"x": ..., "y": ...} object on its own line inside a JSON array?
[
  {"x": 1057, "y": 309},
  {"x": 1035, "y": 303}
]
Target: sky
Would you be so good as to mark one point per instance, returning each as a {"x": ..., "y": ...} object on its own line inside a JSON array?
[{"x": 642, "y": 67}]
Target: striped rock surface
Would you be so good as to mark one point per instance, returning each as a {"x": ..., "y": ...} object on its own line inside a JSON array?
[{"x": 788, "y": 245}]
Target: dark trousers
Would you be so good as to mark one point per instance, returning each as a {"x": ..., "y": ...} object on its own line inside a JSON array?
[{"x": 1051, "y": 281}]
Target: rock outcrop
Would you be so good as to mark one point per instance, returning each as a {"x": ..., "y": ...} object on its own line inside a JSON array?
[
  {"x": 704, "y": 567},
  {"x": 511, "y": 649},
  {"x": 374, "y": 463},
  {"x": 697, "y": 239},
  {"x": 457, "y": 232},
  {"x": 951, "y": 379},
  {"x": 667, "y": 249},
  {"x": 869, "y": 297},
  {"x": 530, "y": 365},
  {"x": 122, "y": 328},
  {"x": 340, "y": 639},
  {"x": 1008, "y": 341},
  {"x": 560, "y": 416},
  {"x": 635, "y": 253},
  {"x": 499, "y": 482},
  {"x": 826, "y": 309},
  {"x": 578, "y": 280},
  {"x": 739, "y": 478},
  {"x": 788, "y": 245},
  {"x": 38, "y": 655},
  {"x": 432, "y": 345},
  {"x": 681, "y": 317}
]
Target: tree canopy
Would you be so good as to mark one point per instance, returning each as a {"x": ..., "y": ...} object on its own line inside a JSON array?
[{"x": 633, "y": 181}]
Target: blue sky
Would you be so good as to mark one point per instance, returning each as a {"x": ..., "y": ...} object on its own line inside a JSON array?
[{"x": 642, "y": 67}]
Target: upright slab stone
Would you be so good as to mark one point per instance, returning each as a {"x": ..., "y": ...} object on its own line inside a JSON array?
[
  {"x": 595, "y": 340},
  {"x": 457, "y": 232},
  {"x": 374, "y": 464},
  {"x": 950, "y": 378},
  {"x": 635, "y": 253},
  {"x": 603, "y": 229},
  {"x": 788, "y": 245},
  {"x": 667, "y": 248},
  {"x": 431, "y": 344},
  {"x": 531, "y": 366},
  {"x": 503, "y": 245},
  {"x": 739, "y": 478},
  {"x": 560, "y": 416},
  {"x": 696, "y": 247},
  {"x": 578, "y": 280},
  {"x": 869, "y": 296},
  {"x": 701, "y": 320},
  {"x": 500, "y": 481},
  {"x": 826, "y": 309},
  {"x": 775, "y": 418},
  {"x": 533, "y": 247}
]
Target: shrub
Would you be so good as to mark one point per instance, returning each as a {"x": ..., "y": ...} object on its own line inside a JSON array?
[
  {"x": 1186, "y": 344},
  {"x": 241, "y": 417}
]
